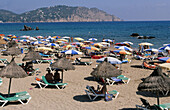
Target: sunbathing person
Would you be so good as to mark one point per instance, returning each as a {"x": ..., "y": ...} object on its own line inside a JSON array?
[
  {"x": 57, "y": 76},
  {"x": 102, "y": 91},
  {"x": 49, "y": 76}
]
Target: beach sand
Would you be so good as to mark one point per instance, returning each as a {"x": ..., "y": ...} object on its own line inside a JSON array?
[{"x": 73, "y": 97}]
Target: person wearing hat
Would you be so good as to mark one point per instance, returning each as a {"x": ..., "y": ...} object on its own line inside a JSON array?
[{"x": 49, "y": 76}]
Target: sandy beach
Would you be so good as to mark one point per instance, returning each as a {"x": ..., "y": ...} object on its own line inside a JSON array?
[{"x": 73, "y": 97}]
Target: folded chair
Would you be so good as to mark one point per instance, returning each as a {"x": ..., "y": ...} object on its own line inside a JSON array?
[
  {"x": 21, "y": 96},
  {"x": 90, "y": 92},
  {"x": 45, "y": 83}
]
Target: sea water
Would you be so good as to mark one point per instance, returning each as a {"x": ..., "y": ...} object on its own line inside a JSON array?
[{"x": 120, "y": 31}]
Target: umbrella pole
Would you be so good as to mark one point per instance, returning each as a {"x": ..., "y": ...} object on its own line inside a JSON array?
[
  {"x": 62, "y": 76},
  {"x": 9, "y": 86},
  {"x": 158, "y": 98}
]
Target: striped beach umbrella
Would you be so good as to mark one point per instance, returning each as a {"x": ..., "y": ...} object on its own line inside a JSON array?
[
  {"x": 122, "y": 52},
  {"x": 123, "y": 48},
  {"x": 72, "y": 52},
  {"x": 164, "y": 59},
  {"x": 91, "y": 48},
  {"x": 152, "y": 50}
]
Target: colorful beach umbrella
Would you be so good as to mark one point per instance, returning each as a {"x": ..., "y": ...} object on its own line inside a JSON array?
[
  {"x": 164, "y": 59},
  {"x": 52, "y": 44},
  {"x": 37, "y": 42},
  {"x": 72, "y": 52},
  {"x": 128, "y": 42},
  {"x": 123, "y": 48},
  {"x": 79, "y": 39},
  {"x": 65, "y": 37},
  {"x": 146, "y": 43},
  {"x": 152, "y": 50},
  {"x": 107, "y": 40},
  {"x": 44, "y": 48},
  {"x": 92, "y": 39},
  {"x": 39, "y": 37},
  {"x": 91, "y": 48},
  {"x": 122, "y": 52},
  {"x": 110, "y": 60}
]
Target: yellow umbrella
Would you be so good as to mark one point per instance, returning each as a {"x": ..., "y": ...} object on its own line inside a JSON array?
[
  {"x": 79, "y": 39},
  {"x": 44, "y": 48},
  {"x": 62, "y": 40},
  {"x": 98, "y": 44},
  {"x": 165, "y": 66}
]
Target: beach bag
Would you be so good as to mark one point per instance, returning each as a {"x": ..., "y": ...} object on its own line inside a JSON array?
[{"x": 108, "y": 97}]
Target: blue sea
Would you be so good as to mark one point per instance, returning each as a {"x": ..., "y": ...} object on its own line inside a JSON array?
[{"x": 120, "y": 31}]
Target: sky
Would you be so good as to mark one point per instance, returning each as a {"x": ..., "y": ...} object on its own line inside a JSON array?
[{"x": 128, "y": 10}]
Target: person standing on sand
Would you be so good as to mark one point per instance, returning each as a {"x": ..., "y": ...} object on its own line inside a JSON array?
[{"x": 71, "y": 39}]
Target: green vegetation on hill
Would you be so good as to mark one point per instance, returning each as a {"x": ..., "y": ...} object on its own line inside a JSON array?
[{"x": 59, "y": 13}]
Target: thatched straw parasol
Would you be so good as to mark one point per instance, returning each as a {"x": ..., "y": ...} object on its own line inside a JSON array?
[
  {"x": 13, "y": 51},
  {"x": 32, "y": 55},
  {"x": 63, "y": 64},
  {"x": 12, "y": 70},
  {"x": 2, "y": 41},
  {"x": 12, "y": 43},
  {"x": 156, "y": 83},
  {"x": 105, "y": 69}
]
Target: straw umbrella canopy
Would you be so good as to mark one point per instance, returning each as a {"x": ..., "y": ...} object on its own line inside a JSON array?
[
  {"x": 32, "y": 55},
  {"x": 63, "y": 64},
  {"x": 12, "y": 43},
  {"x": 13, "y": 51},
  {"x": 155, "y": 83},
  {"x": 105, "y": 69},
  {"x": 12, "y": 70},
  {"x": 2, "y": 41}
]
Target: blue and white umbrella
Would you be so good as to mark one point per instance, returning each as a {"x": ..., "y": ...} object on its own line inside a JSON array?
[
  {"x": 166, "y": 47},
  {"x": 52, "y": 44},
  {"x": 24, "y": 40},
  {"x": 72, "y": 52},
  {"x": 110, "y": 60},
  {"x": 152, "y": 50},
  {"x": 107, "y": 40},
  {"x": 37, "y": 42},
  {"x": 46, "y": 40},
  {"x": 123, "y": 48},
  {"x": 92, "y": 39}
]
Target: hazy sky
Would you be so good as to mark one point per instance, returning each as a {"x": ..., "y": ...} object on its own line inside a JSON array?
[{"x": 130, "y": 10}]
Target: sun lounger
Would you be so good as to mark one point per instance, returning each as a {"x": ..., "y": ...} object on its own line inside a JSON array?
[
  {"x": 112, "y": 80},
  {"x": 90, "y": 92},
  {"x": 146, "y": 106},
  {"x": 123, "y": 78},
  {"x": 45, "y": 83},
  {"x": 44, "y": 61},
  {"x": 44, "y": 55},
  {"x": 17, "y": 97},
  {"x": 79, "y": 62},
  {"x": 4, "y": 61},
  {"x": 0, "y": 81}
]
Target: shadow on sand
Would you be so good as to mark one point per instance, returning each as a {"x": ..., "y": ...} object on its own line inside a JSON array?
[
  {"x": 85, "y": 98},
  {"x": 137, "y": 66}
]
